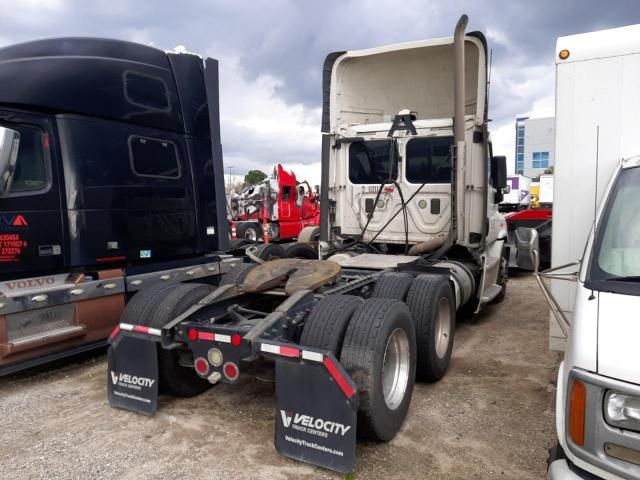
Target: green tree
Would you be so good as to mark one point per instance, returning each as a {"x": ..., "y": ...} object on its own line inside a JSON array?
[
  {"x": 254, "y": 177},
  {"x": 549, "y": 170}
]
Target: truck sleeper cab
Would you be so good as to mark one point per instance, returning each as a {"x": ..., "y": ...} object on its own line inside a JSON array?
[{"x": 117, "y": 183}]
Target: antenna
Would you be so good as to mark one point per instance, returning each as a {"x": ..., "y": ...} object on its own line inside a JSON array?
[
  {"x": 489, "y": 75},
  {"x": 595, "y": 194}
]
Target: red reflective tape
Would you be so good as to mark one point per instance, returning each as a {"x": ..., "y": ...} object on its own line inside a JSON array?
[
  {"x": 115, "y": 332},
  {"x": 111, "y": 259},
  {"x": 141, "y": 329},
  {"x": 289, "y": 352},
  {"x": 337, "y": 376},
  {"x": 206, "y": 336}
]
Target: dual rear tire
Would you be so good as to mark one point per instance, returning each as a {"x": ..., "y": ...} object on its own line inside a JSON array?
[
  {"x": 375, "y": 343},
  {"x": 155, "y": 307},
  {"x": 432, "y": 305}
]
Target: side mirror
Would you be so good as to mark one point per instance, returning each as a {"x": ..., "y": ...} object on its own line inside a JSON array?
[
  {"x": 506, "y": 189},
  {"x": 9, "y": 143},
  {"x": 499, "y": 172},
  {"x": 527, "y": 249}
]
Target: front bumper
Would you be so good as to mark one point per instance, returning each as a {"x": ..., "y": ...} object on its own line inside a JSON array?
[{"x": 563, "y": 470}]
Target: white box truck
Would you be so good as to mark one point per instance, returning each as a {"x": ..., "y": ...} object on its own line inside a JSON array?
[
  {"x": 596, "y": 192},
  {"x": 519, "y": 195},
  {"x": 545, "y": 191}
]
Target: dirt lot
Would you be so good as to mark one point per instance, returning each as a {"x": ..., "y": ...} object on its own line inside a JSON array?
[{"x": 490, "y": 417}]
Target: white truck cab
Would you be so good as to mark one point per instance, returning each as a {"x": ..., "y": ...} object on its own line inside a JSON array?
[
  {"x": 598, "y": 395},
  {"x": 407, "y": 169}
]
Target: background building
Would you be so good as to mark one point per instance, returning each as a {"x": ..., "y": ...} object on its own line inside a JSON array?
[{"x": 534, "y": 145}]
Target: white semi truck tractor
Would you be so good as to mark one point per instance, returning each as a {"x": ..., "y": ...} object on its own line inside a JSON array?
[{"x": 410, "y": 234}]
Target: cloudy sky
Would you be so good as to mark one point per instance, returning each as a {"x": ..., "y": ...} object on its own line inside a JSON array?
[{"x": 271, "y": 53}]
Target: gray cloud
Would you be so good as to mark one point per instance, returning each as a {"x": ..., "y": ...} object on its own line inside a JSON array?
[{"x": 286, "y": 41}]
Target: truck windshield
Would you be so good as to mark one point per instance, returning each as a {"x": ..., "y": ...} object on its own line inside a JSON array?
[
  {"x": 372, "y": 162},
  {"x": 615, "y": 263}
]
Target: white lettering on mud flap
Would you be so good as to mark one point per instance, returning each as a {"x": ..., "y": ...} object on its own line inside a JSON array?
[
  {"x": 311, "y": 425},
  {"x": 131, "y": 381}
]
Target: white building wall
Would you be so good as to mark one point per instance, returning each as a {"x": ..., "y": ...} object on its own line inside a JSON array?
[{"x": 539, "y": 138}]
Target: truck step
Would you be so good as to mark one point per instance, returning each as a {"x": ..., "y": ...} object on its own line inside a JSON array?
[
  {"x": 41, "y": 339},
  {"x": 491, "y": 292}
]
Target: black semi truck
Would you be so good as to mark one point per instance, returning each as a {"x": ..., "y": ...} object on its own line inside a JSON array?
[{"x": 111, "y": 179}]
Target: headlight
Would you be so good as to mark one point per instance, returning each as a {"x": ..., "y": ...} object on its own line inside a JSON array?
[{"x": 622, "y": 411}]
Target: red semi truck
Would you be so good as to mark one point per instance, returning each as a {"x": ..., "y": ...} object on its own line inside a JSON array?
[{"x": 280, "y": 204}]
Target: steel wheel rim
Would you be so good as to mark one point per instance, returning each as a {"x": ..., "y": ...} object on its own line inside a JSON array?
[
  {"x": 395, "y": 368},
  {"x": 443, "y": 327}
]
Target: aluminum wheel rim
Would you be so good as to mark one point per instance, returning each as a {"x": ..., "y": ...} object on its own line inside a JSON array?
[
  {"x": 443, "y": 327},
  {"x": 395, "y": 368},
  {"x": 250, "y": 234}
]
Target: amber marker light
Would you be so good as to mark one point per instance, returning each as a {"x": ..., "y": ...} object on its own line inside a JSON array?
[
  {"x": 577, "y": 406},
  {"x": 564, "y": 54}
]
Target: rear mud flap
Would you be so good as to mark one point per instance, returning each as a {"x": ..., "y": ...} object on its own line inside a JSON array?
[
  {"x": 316, "y": 407},
  {"x": 133, "y": 374}
]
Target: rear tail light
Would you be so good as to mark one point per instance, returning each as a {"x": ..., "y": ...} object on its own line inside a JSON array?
[
  {"x": 230, "y": 370},
  {"x": 201, "y": 365},
  {"x": 192, "y": 334},
  {"x": 236, "y": 340},
  {"x": 577, "y": 407}
]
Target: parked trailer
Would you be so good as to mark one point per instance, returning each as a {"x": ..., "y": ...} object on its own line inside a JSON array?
[
  {"x": 519, "y": 195},
  {"x": 349, "y": 335},
  {"x": 115, "y": 183}
]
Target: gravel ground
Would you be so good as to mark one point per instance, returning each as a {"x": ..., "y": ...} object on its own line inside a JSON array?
[{"x": 490, "y": 417}]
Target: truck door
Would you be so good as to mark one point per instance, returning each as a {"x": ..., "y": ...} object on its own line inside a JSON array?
[{"x": 31, "y": 235}]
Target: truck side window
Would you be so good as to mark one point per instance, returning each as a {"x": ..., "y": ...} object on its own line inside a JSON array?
[
  {"x": 372, "y": 162},
  {"x": 154, "y": 158},
  {"x": 31, "y": 168},
  {"x": 146, "y": 91},
  {"x": 429, "y": 160}
]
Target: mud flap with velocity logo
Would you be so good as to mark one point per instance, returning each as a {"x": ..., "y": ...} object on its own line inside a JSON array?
[
  {"x": 316, "y": 407},
  {"x": 133, "y": 374}
]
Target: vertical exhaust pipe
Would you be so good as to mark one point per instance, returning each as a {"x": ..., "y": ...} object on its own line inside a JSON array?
[
  {"x": 458, "y": 224},
  {"x": 459, "y": 100}
]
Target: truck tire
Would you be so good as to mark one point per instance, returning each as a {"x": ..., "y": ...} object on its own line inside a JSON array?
[
  {"x": 300, "y": 250},
  {"x": 555, "y": 453},
  {"x": 175, "y": 379},
  {"x": 271, "y": 251},
  {"x": 309, "y": 234},
  {"x": 432, "y": 305},
  {"x": 139, "y": 303},
  {"x": 327, "y": 323},
  {"x": 251, "y": 231},
  {"x": 392, "y": 285},
  {"x": 379, "y": 353},
  {"x": 237, "y": 274},
  {"x": 238, "y": 243}
]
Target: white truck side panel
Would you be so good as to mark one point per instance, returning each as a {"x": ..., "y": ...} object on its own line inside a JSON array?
[
  {"x": 600, "y": 93},
  {"x": 546, "y": 189}
]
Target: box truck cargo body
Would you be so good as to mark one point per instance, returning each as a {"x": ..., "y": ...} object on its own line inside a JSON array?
[
  {"x": 597, "y": 218},
  {"x": 597, "y": 102},
  {"x": 519, "y": 195}
]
